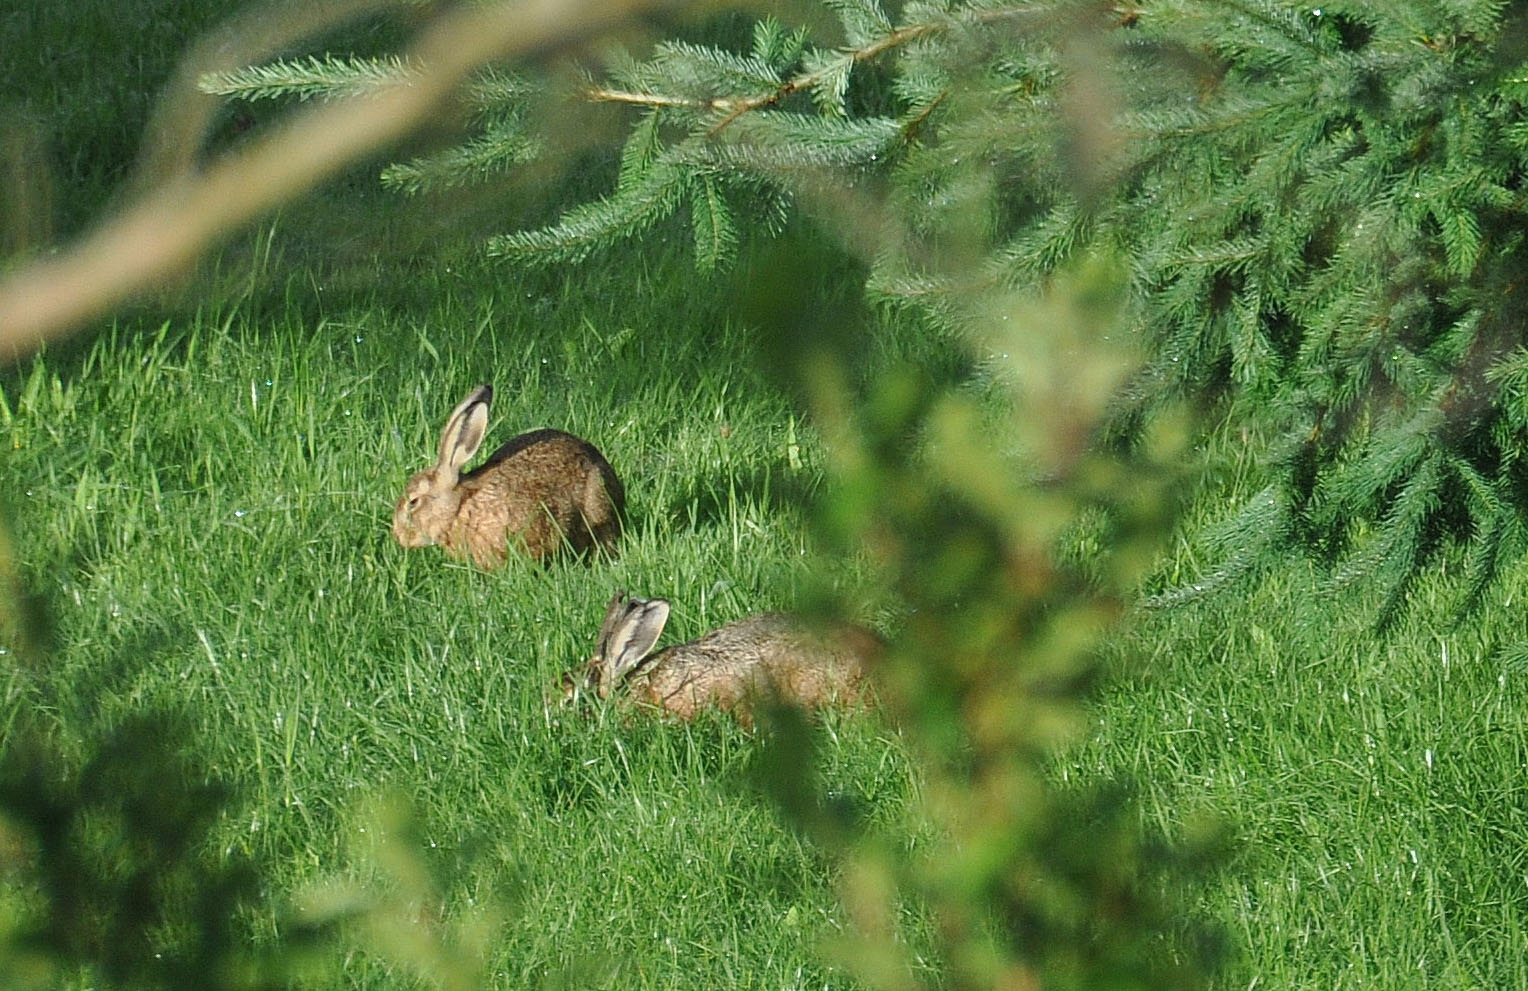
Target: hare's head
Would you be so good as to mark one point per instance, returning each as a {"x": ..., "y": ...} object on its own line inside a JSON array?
[
  {"x": 431, "y": 500},
  {"x": 631, "y": 628}
]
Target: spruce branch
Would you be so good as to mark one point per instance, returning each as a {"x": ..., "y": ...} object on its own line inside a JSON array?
[
  {"x": 324, "y": 77},
  {"x": 871, "y": 48},
  {"x": 634, "y": 207},
  {"x": 712, "y": 225},
  {"x": 493, "y": 152},
  {"x": 812, "y": 79}
]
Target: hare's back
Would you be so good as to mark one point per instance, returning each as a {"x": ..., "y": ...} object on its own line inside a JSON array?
[
  {"x": 546, "y": 446},
  {"x": 815, "y": 666},
  {"x": 767, "y": 653},
  {"x": 541, "y": 462}
]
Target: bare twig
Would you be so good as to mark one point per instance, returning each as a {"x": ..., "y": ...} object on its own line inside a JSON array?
[{"x": 600, "y": 94}]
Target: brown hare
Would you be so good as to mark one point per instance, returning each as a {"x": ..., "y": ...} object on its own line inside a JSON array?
[
  {"x": 545, "y": 491},
  {"x": 763, "y": 657}
]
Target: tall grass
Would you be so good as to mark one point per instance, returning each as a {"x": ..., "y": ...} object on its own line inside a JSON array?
[
  {"x": 1368, "y": 786},
  {"x": 204, "y": 505}
]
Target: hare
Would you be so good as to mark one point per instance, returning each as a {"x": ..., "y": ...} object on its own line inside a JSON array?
[
  {"x": 543, "y": 490},
  {"x": 763, "y": 656}
]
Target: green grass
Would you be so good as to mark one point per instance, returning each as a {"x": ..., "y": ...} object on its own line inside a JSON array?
[
  {"x": 1369, "y": 784},
  {"x": 202, "y": 504},
  {"x": 204, "y": 508}
]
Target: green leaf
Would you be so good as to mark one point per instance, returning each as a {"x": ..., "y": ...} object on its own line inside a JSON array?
[
  {"x": 776, "y": 141},
  {"x": 641, "y": 150},
  {"x": 492, "y": 153},
  {"x": 589, "y": 227},
  {"x": 776, "y": 46},
  {"x": 831, "y": 80}
]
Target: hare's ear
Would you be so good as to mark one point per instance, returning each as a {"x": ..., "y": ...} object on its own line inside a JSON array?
[
  {"x": 631, "y": 639},
  {"x": 614, "y": 610},
  {"x": 465, "y": 430}
]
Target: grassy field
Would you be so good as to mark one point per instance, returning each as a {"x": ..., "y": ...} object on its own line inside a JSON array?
[
  {"x": 1370, "y": 785},
  {"x": 203, "y": 505},
  {"x": 199, "y": 497}
]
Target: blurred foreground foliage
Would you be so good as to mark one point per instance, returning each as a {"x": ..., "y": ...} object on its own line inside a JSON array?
[
  {"x": 1009, "y": 540},
  {"x": 1014, "y": 541},
  {"x": 111, "y": 879}
]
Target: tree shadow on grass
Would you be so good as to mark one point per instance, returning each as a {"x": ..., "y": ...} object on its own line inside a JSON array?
[
  {"x": 112, "y": 847},
  {"x": 714, "y": 498},
  {"x": 105, "y": 822}
]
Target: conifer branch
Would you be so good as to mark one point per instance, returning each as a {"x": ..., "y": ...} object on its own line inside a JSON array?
[{"x": 807, "y": 81}]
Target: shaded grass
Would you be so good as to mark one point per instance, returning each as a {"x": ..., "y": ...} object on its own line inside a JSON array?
[
  {"x": 1368, "y": 784},
  {"x": 80, "y": 79}
]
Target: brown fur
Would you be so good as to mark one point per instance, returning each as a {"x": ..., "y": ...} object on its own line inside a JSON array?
[
  {"x": 544, "y": 491},
  {"x": 766, "y": 656}
]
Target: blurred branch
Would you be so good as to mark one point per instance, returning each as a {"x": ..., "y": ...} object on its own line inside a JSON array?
[
  {"x": 173, "y": 138},
  {"x": 165, "y": 228}
]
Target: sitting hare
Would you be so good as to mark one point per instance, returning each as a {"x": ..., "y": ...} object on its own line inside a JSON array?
[
  {"x": 542, "y": 490},
  {"x": 767, "y": 656}
]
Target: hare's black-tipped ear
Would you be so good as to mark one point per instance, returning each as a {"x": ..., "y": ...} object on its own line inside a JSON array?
[
  {"x": 465, "y": 429},
  {"x": 631, "y": 639}
]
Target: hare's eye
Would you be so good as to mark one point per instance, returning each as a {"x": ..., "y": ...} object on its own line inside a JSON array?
[{"x": 413, "y": 503}]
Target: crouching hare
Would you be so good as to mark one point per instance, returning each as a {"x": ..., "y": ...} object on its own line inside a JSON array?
[
  {"x": 760, "y": 658},
  {"x": 545, "y": 491}
]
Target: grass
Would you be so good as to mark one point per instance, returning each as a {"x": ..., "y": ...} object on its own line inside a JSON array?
[
  {"x": 199, "y": 498},
  {"x": 205, "y": 504},
  {"x": 1368, "y": 784}
]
